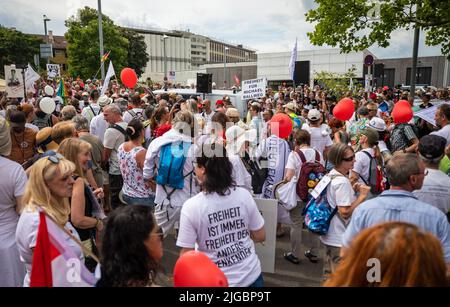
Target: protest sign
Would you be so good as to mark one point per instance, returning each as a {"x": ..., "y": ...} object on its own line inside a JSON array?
[
  {"x": 14, "y": 81},
  {"x": 254, "y": 89},
  {"x": 266, "y": 252},
  {"x": 53, "y": 71}
]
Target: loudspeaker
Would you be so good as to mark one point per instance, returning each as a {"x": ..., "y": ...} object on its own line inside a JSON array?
[
  {"x": 302, "y": 71},
  {"x": 204, "y": 83}
]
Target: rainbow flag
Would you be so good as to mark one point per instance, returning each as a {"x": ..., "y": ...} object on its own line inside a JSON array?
[{"x": 62, "y": 90}]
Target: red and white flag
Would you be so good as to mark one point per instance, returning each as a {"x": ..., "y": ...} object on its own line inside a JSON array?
[
  {"x": 236, "y": 80},
  {"x": 55, "y": 264}
]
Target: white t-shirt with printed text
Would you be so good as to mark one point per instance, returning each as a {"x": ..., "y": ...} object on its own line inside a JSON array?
[{"x": 220, "y": 226}]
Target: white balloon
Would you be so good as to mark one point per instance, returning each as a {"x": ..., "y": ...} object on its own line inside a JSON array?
[
  {"x": 49, "y": 90},
  {"x": 47, "y": 105}
]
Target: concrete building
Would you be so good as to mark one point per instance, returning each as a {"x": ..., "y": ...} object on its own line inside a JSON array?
[
  {"x": 432, "y": 70},
  {"x": 59, "y": 45},
  {"x": 234, "y": 53},
  {"x": 275, "y": 66},
  {"x": 177, "y": 53}
]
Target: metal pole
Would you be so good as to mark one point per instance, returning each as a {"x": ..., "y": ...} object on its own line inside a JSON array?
[
  {"x": 165, "y": 57},
  {"x": 225, "y": 70},
  {"x": 414, "y": 60},
  {"x": 100, "y": 35},
  {"x": 46, "y": 35}
]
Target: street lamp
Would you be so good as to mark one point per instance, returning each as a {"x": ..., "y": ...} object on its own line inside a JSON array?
[
  {"x": 225, "y": 68},
  {"x": 165, "y": 57},
  {"x": 45, "y": 31},
  {"x": 45, "y": 27}
]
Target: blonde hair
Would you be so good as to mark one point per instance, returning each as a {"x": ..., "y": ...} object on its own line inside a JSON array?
[
  {"x": 70, "y": 149},
  {"x": 37, "y": 194},
  {"x": 409, "y": 257}
]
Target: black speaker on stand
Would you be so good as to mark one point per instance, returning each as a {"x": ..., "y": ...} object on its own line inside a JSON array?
[{"x": 204, "y": 83}]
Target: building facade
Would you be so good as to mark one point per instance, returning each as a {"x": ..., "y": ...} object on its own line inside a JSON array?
[
  {"x": 275, "y": 66},
  {"x": 432, "y": 70}
]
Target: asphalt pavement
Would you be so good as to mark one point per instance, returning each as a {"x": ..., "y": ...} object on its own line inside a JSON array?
[{"x": 306, "y": 274}]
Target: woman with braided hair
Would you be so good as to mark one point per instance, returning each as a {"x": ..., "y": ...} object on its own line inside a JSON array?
[{"x": 131, "y": 156}]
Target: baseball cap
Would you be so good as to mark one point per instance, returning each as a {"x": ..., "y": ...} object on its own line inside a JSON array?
[
  {"x": 371, "y": 134},
  {"x": 232, "y": 112},
  {"x": 314, "y": 115},
  {"x": 432, "y": 146},
  {"x": 291, "y": 106},
  {"x": 377, "y": 124}
]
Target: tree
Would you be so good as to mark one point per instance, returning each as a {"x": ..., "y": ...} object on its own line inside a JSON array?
[
  {"x": 137, "y": 51},
  {"x": 355, "y": 25},
  {"x": 337, "y": 84},
  {"x": 83, "y": 43},
  {"x": 17, "y": 47}
]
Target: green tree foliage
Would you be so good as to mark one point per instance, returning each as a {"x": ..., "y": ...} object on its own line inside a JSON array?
[
  {"x": 17, "y": 47},
  {"x": 83, "y": 44},
  {"x": 337, "y": 84},
  {"x": 355, "y": 25},
  {"x": 137, "y": 51}
]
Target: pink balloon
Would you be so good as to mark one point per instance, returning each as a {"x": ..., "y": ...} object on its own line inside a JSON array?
[
  {"x": 281, "y": 125},
  {"x": 344, "y": 110},
  {"x": 195, "y": 269},
  {"x": 128, "y": 77},
  {"x": 402, "y": 112}
]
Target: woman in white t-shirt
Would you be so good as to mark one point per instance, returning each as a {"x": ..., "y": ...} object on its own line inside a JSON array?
[
  {"x": 364, "y": 159},
  {"x": 48, "y": 189},
  {"x": 302, "y": 140},
  {"x": 223, "y": 221},
  {"x": 340, "y": 194}
]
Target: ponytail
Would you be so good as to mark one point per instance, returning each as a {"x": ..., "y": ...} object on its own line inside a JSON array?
[{"x": 134, "y": 129}]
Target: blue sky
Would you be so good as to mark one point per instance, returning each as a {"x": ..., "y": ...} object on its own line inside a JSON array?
[{"x": 264, "y": 25}]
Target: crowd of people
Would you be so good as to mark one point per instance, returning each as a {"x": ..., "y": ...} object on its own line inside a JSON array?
[{"x": 124, "y": 170}]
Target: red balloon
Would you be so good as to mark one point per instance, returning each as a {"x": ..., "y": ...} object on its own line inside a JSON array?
[
  {"x": 195, "y": 269},
  {"x": 402, "y": 112},
  {"x": 344, "y": 110},
  {"x": 128, "y": 77},
  {"x": 386, "y": 88},
  {"x": 281, "y": 125},
  {"x": 403, "y": 102}
]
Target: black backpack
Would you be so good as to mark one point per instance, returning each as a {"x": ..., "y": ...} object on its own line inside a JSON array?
[
  {"x": 259, "y": 174},
  {"x": 121, "y": 130}
]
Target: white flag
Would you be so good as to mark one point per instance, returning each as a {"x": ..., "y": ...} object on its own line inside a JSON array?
[
  {"x": 293, "y": 60},
  {"x": 30, "y": 77},
  {"x": 109, "y": 74}
]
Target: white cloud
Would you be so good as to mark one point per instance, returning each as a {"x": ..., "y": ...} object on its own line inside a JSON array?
[{"x": 265, "y": 25}]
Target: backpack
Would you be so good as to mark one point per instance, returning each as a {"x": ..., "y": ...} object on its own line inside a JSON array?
[
  {"x": 310, "y": 175},
  {"x": 137, "y": 115},
  {"x": 171, "y": 164},
  {"x": 376, "y": 176},
  {"x": 121, "y": 130},
  {"x": 258, "y": 173},
  {"x": 318, "y": 213},
  {"x": 43, "y": 122}
]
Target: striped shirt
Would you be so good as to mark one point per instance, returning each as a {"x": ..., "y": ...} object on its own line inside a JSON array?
[{"x": 402, "y": 137}]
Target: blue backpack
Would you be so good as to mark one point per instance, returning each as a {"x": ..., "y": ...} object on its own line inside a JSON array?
[
  {"x": 171, "y": 165},
  {"x": 318, "y": 213}
]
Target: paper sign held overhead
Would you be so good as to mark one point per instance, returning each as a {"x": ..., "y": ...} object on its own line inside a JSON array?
[{"x": 254, "y": 89}]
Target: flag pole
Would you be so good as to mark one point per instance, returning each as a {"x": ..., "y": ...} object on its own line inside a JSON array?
[
  {"x": 101, "y": 65},
  {"x": 86, "y": 251}
]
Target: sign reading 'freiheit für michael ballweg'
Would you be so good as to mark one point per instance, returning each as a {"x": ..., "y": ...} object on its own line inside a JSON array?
[{"x": 254, "y": 89}]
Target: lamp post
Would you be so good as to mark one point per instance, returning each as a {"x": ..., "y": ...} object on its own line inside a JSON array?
[
  {"x": 225, "y": 68},
  {"x": 100, "y": 35},
  {"x": 165, "y": 56},
  {"x": 45, "y": 31}
]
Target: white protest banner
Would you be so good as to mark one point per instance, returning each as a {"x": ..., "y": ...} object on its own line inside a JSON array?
[
  {"x": 14, "y": 81},
  {"x": 53, "y": 71},
  {"x": 266, "y": 252},
  {"x": 108, "y": 77},
  {"x": 254, "y": 89},
  {"x": 30, "y": 77},
  {"x": 429, "y": 114}
]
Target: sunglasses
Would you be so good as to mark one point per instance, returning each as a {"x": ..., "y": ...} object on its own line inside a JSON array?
[
  {"x": 349, "y": 159},
  {"x": 55, "y": 157}
]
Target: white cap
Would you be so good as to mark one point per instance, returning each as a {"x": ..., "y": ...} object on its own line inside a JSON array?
[
  {"x": 378, "y": 124},
  {"x": 314, "y": 115}
]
